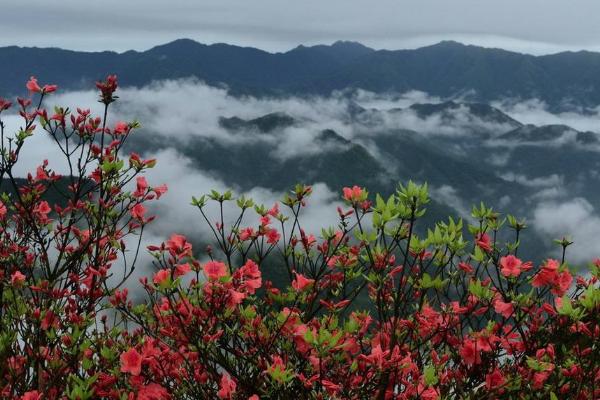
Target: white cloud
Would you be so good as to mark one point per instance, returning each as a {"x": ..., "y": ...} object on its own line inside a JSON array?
[
  {"x": 567, "y": 138},
  {"x": 537, "y": 182},
  {"x": 388, "y": 101},
  {"x": 576, "y": 218},
  {"x": 457, "y": 122},
  {"x": 536, "y": 112},
  {"x": 448, "y": 195},
  {"x": 37, "y": 148}
]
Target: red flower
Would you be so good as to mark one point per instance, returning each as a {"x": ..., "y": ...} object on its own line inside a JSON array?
[
  {"x": 331, "y": 387},
  {"x": 152, "y": 391},
  {"x": 539, "y": 378},
  {"x": 265, "y": 220},
  {"x": 511, "y": 266},
  {"x": 33, "y": 86},
  {"x": 107, "y": 89},
  {"x": 215, "y": 270},
  {"x": 252, "y": 277},
  {"x": 33, "y": 395},
  {"x": 494, "y": 380},
  {"x": 235, "y": 298},
  {"x": 2, "y": 210},
  {"x": 49, "y": 321},
  {"x": 563, "y": 283},
  {"x": 138, "y": 212},
  {"x": 49, "y": 88},
  {"x": 131, "y": 362},
  {"x": 226, "y": 388},
  {"x": 246, "y": 234},
  {"x": 40, "y": 174},
  {"x": 273, "y": 236},
  {"x": 430, "y": 394},
  {"x": 469, "y": 352},
  {"x": 160, "y": 190},
  {"x": 547, "y": 274},
  {"x": 121, "y": 128},
  {"x": 354, "y": 194},
  {"x": 377, "y": 356},
  {"x": 482, "y": 240},
  {"x": 4, "y": 104},
  {"x": 141, "y": 186},
  {"x": 161, "y": 276},
  {"x": 178, "y": 246},
  {"x": 466, "y": 267},
  {"x": 181, "y": 269},
  {"x": 17, "y": 279},
  {"x": 274, "y": 211},
  {"x": 301, "y": 282},
  {"x": 41, "y": 211},
  {"x": 504, "y": 309}
]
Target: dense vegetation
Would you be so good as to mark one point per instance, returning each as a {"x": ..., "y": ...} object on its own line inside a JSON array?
[{"x": 450, "y": 313}]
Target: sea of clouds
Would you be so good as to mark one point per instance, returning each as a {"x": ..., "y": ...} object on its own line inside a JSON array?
[{"x": 180, "y": 110}]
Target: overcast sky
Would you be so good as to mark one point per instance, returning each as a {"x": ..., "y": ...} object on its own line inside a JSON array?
[{"x": 532, "y": 26}]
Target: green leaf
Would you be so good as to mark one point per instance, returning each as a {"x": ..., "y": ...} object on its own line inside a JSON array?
[
  {"x": 566, "y": 307},
  {"x": 430, "y": 375}
]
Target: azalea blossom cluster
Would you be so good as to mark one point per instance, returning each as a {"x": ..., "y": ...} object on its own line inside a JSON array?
[
  {"x": 385, "y": 305},
  {"x": 60, "y": 239}
]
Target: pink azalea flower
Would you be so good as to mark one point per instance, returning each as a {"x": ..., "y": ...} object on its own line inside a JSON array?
[
  {"x": 504, "y": 309},
  {"x": 178, "y": 246},
  {"x": 17, "y": 279},
  {"x": 181, "y": 269},
  {"x": 32, "y": 395},
  {"x": 33, "y": 86},
  {"x": 301, "y": 282},
  {"x": 483, "y": 241},
  {"x": 131, "y": 362},
  {"x": 141, "y": 186},
  {"x": 510, "y": 266},
  {"x": 494, "y": 379},
  {"x": 469, "y": 353},
  {"x": 138, "y": 211},
  {"x": 161, "y": 276},
  {"x": 227, "y": 387},
  {"x": 215, "y": 270},
  {"x": 121, "y": 128},
  {"x": 353, "y": 194}
]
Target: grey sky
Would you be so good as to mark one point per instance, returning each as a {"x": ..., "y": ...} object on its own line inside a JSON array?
[{"x": 532, "y": 26}]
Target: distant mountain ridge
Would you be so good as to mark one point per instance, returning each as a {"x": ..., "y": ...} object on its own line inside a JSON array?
[
  {"x": 377, "y": 154},
  {"x": 447, "y": 69},
  {"x": 472, "y": 151}
]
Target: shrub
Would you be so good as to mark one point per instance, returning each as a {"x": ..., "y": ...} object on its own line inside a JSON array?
[{"x": 56, "y": 259}]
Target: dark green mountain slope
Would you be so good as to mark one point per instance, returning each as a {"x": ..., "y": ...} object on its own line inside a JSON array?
[{"x": 448, "y": 69}]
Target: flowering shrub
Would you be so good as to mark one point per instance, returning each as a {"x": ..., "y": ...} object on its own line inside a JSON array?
[
  {"x": 370, "y": 309},
  {"x": 60, "y": 236}
]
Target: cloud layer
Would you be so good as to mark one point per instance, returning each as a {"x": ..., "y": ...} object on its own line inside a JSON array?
[
  {"x": 182, "y": 110},
  {"x": 575, "y": 218}
]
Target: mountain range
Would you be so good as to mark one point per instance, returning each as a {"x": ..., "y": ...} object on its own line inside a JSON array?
[{"x": 565, "y": 81}]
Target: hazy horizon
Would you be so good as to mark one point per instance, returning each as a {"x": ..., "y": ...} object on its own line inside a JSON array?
[
  {"x": 533, "y": 27},
  {"x": 330, "y": 43}
]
